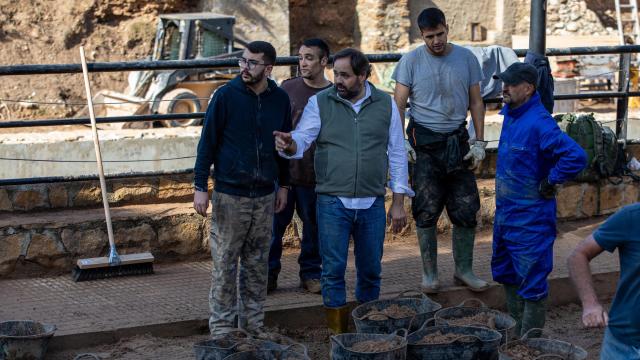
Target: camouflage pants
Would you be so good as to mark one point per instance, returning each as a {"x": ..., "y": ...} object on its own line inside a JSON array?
[
  {"x": 240, "y": 233},
  {"x": 436, "y": 188}
]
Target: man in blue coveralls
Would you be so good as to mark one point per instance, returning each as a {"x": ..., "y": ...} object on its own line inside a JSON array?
[{"x": 534, "y": 155}]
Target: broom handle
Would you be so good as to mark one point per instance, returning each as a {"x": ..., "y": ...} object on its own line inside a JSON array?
[{"x": 96, "y": 143}]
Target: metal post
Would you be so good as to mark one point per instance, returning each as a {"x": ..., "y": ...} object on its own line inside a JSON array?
[
  {"x": 623, "y": 102},
  {"x": 538, "y": 26}
]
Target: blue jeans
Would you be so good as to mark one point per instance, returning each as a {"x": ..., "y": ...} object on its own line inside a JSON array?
[
  {"x": 303, "y": 200},
  {"x": 336, "y": 225},
  {"x": 614, "y": 349}
]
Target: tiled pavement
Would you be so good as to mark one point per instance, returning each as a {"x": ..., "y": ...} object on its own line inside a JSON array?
[{"x": 179, "y": 292}]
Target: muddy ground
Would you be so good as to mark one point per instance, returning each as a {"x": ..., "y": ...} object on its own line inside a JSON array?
[{"x": 563, "y": 323}]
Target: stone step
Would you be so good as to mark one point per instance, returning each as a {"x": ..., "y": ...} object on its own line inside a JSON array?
[
  {"x": 35, "y": 243},
  {"x": 45, "y": 242}
]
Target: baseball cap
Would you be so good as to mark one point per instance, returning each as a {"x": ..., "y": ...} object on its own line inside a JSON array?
[{"x": 517, "y": 73}]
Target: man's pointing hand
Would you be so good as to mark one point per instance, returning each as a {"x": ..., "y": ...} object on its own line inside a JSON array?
[{"x": 284, "y": 142}]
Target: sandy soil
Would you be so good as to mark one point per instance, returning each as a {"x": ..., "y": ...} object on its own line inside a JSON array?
[{"x": 563, "y": 323}]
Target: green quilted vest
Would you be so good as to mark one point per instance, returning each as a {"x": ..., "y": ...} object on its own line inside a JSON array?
[{"x": 351, "y": 149}]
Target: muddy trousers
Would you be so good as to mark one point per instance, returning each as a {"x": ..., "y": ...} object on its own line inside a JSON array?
[{"x": 240, "y": 237}]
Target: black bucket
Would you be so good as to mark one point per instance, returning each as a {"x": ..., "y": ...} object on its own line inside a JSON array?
[
  {"x": 268, "y": 355},
  {"x": 222, "y": 346},
  {"x": 548, "y": 349},
  {"x": 341, "y": 346},
  {"x": 504, "y": 323},
  {"x": 367, "y": 322},
  {"x": 24, "y": 339},
  {"x": 472, "y": 343}
]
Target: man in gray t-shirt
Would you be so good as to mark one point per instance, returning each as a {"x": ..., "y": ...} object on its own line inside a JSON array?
[{"x": 442, "y": 80}]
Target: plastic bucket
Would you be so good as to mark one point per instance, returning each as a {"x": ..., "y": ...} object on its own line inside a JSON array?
[
  {"x": 341, "y": 346},
  {"x": 504, "y": 323},
  {"x": 237, "y": 341},
  {"x": 370, "y": 322},
  {"x": 471, "y": 343},
  {"x": 24, "y": 339},
  {"x": 549, "y": 349},
  {"x": 268, "y": 355}
]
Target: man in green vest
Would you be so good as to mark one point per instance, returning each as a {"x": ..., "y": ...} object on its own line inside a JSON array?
[{"x": 359, "y": 140}]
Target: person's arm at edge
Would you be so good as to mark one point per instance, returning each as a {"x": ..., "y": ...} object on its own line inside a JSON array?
[
  {"x": 398, "y": 171},
  {"x": 283, "y": 167},
  {"x": 477, "y": 110},
  {"x": 401, "y": 96},
  {"x": 205, "y": 153},
  {"x": 593, "y": 314},
  {"x": 306, "y": 132}
]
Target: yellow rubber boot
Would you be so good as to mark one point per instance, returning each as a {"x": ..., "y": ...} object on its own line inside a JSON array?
[{"x": 337, "y": 319}]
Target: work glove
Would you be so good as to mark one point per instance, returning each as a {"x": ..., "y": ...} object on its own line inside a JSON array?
[
  {"x": 546, "y": 189},
  {"x": 476, "y": 153},
  {"x": 411, "y": 153}
]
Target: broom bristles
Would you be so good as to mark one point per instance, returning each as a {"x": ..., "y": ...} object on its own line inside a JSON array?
[{"x": 79, "y": 274}]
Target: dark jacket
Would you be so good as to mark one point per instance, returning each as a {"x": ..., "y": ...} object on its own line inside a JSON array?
[{"x": 237, "y": 137}]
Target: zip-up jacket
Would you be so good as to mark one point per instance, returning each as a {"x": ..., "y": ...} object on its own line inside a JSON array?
[{"x": 237, "y": 138}]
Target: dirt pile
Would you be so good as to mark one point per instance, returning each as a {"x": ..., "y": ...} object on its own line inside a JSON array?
[
  {"x": 440, "y": 338},
  {"x": 50, "y": 32},
  {"x": 393, "y": 311},
  {"x": 483, "y": 319},
  {"x": 373, "y": 346},
  {"x": 523, "y": 352}
]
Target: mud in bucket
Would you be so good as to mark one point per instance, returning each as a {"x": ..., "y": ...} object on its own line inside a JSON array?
[
  {"x": 482, "y": 316},
  {"x": 24, "y": 339},
  {"x": 533, "y": 348},
  {"x": 222, "y": 346},
  {"x": 359, "y": 346},
  {"x": 443, "y": 342},
  {"x": 387, "y": 316},
  {"x": 268, "y": 355}
]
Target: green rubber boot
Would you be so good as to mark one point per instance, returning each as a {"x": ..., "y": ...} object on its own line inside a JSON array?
[
  {"x": 427, "y": 238},
  {"x": 463, "y": 239},
  {"x": 533, "y": 316},
  {"x": 515, "y": 306}
]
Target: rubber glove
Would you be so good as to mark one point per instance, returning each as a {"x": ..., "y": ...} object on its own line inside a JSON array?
[
  {"x": 476, "y": 153},
  {"x": 411, "y": 153}
]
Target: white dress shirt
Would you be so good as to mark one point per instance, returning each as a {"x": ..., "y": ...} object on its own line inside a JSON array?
[{"x": 309, "y": 127}]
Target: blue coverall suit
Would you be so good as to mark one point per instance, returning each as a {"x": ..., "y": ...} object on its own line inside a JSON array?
[{"x": 532, "y": 147}]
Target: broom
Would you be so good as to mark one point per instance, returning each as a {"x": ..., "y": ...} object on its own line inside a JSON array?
[{"x": 114, "y": 265}]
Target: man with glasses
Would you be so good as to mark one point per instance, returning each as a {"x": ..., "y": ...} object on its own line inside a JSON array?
[
  {"x": 237, "y": 139},
  {"x": 313, "y": 57}
]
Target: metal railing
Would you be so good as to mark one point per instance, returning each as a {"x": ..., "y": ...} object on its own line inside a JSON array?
[{"x": 622, "y": 93}]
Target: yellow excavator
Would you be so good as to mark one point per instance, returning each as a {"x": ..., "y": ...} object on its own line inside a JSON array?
[{"x": 178, "y": 37}]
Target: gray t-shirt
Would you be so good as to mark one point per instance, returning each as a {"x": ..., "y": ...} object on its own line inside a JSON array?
[{"x": 439, "y": 86}]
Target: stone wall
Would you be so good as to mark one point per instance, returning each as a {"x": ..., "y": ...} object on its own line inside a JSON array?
[
  {"x": 580, "y": 17},
  {"x": 51, "y": 247},
  {"x": 460, "y": 14},
  {"x": 86, "y": 194},
  {"x": 383, "y": 25}
]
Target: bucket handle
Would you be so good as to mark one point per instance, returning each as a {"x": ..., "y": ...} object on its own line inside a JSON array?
[
  {"x": 465, "y": 301},
  {"x": 86, "y": 355},
  {"x": 371, "y": 313},
  {"x": 413, "y": 292},
  {"x": 550, "y": 356},
  {"x": 401, "y": 331},
  {"x": 289, "y": 347},
  {"x": 526, "y": 335},
  {"x": 427, "y": 322},
  {"x": 337, "y": 340}
]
